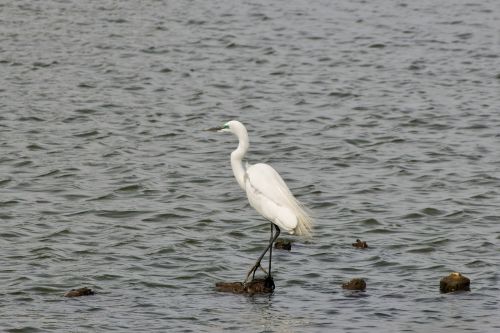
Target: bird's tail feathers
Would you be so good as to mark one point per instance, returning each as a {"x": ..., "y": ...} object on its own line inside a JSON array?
[{"x": 304, "y": 220}]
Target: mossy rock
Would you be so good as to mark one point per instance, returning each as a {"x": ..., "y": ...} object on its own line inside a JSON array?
[
  {"x": 79, "y": 292},
  {"x": 256, "y": 286},
  {"x": 355, "y": 284},
  {"x": 360, "y": 244},
  {"x": 283, "y": 244},
  {"x": 454, "y": 282}
]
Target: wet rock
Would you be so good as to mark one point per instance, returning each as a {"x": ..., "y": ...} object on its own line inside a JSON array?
[
  {"x": 454, "y": 282},
  {"x": 283, "y": 244},
  {"x": 79, "y": 292},
  {"x": 256, "y": 286},
  {"x": 230, "y": 287},
  {"x": 360, "y": 244},
  {"x": 355, "y": 284}
]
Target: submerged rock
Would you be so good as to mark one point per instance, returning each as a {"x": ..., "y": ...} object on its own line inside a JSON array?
[
  {"x": 355, "y": 284},
  {"x": 454, "y": 282},
  {"x": 79, "y": 292},
  {"x": 283, "y": 244},
  {"x": 360, "y": 244},
  {"x": 256, "y": 286}
]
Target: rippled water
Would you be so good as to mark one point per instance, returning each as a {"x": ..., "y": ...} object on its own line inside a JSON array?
[{"x": 382, "y": 116}]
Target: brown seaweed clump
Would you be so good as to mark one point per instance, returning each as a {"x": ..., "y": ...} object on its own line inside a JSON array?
[
  {"x": 79, "y": 292},
  {"x": 360, "y": 244},
  {"x": 454, "y": 282},
  {"x": 256, "y": 286},
  {"x": 355, "y": 284},
  {"x": 283, "y": 244}
]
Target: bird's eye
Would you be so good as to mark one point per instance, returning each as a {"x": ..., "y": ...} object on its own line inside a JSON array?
[{"x": 226, "y": 126}]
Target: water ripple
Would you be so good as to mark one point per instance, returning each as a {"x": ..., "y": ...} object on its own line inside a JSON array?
[{"x": 381, "y": 117}]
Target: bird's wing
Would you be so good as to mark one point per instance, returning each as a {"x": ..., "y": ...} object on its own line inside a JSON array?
[{"x": 269, "y": 195}]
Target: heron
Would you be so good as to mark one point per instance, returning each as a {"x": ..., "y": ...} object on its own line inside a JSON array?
[{"x": 268, "y": 194}]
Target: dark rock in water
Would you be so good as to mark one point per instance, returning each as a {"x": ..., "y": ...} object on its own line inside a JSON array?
[
  {"x": 230, "y": 287},
  {"x": 256, "y": 286},
  {"x": 360, "y": 244},
  {"x": 454, "y": 282},
  {"x": 79, "y": 292},
  {"x": 355, "y": 284},
  {"x": 283, "y": 244}
]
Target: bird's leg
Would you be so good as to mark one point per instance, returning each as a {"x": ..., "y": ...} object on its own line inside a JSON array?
[
  {"x": 270, "y": 254},
  {"x": 271, "y": 248},
  {"x": 257, "y": 263},
  {"x": 256, "y": 266},
  {"x": 271, "y": 241}
]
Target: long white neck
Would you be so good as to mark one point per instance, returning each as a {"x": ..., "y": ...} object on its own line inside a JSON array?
[{"x": 238, "y": 154}]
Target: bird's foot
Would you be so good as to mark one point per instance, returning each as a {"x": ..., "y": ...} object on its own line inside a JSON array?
[
  {"x": 269, "y": 282},
  {"x": 253, "y": 271}
]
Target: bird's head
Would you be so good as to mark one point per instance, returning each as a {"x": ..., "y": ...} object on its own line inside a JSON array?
[{"x": 230, "y": 126}]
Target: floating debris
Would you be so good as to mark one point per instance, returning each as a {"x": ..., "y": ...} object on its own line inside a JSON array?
[
  {"x": 360, "y": 244},
  {"x": 454, "y": 282},
  {"x": 355, "y": 284},
  {"x": 79, "y": 292},
  {"x": 283, "y": 244},
  {"x": 256, "y": 286}
]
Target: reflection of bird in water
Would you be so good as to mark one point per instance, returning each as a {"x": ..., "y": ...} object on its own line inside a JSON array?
[{"x": 268, "y": 194}]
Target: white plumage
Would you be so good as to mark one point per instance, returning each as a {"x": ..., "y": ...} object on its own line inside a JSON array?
[
  {"x": 268, "y": 194},
  {"x": 265, "y": 189}
]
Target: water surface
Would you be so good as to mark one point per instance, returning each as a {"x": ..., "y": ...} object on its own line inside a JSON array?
[{"x": 383, "y": 118}]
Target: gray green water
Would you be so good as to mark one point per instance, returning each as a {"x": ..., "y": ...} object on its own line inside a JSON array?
[{"x": 382, "y": 116}]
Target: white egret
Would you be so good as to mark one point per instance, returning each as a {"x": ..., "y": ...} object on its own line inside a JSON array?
[{"x": 267, "y": 193}]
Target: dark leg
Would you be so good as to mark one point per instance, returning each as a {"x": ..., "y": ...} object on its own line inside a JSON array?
[
  {"x": 270, "y": 253},
  {"x": 257, "y": 263},
  {"x": 270, "y": 249},
  {"x": 272, "y": 242}
]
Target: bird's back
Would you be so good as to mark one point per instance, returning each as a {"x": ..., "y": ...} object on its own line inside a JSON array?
[{"x": 270, "y": 196}]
